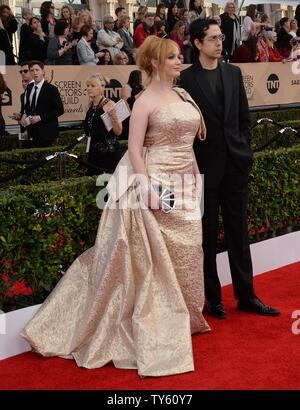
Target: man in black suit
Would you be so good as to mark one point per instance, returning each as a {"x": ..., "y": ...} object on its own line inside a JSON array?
[
  {"x": 42, "y": 109},
  {"x": 225, "y": 159},
  {"x": 26, "y": 81}
]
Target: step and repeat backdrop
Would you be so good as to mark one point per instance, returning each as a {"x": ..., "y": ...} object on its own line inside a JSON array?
[{"x": 265, "y": 84}]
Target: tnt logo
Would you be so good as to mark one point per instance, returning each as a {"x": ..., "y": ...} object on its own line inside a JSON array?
[
  {"x": 296, "y": 324},
  {"x": 113, "y": 90},
  {"x": 273, "y": 83},
  {"x": 2, "y": 323}
]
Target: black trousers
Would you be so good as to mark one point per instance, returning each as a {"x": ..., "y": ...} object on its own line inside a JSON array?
[{"x": 231, "y": 197}]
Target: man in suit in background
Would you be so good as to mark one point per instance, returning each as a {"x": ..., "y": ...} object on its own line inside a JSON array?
[
  {"x": 225, "y": 159},
  {"x": 42, "y": 108},
  {"x": 26, "y": 81}
]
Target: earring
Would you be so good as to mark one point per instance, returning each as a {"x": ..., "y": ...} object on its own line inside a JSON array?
[{"x": 157, "y": 76}]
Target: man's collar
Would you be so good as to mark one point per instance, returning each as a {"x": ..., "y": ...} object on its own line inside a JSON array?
[{"x": 39, "y": 85}]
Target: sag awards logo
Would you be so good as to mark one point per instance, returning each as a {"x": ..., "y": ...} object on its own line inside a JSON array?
[
  {"x": 296, "y": 67},
  {"x": 72, "y": 91},
  {"x": 249, "y": 85},
  {"x": 273, "y": 83},
  {"x": 7, "y": 97}
]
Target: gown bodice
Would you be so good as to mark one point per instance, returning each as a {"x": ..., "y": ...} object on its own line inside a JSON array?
[{"x": 174, "y": 125}]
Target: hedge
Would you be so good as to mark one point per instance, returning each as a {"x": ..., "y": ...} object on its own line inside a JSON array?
[
  {"x": 274, "y": 190},
  {"x": 282, "y": 115},
  {"x": 48, "y": 172},
  {"x": 289, "y": 117},
  {"x": 44, "y": 227}
]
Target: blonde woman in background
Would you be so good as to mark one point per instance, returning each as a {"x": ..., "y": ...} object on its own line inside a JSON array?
[
  {"x": 121, "y": 58},
  {"x": 67, "y": 14}
]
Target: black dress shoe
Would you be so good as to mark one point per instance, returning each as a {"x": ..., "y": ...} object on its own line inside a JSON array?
[
  {"x": 216, "y": 310},
  {"x": 257, "y": 306}
]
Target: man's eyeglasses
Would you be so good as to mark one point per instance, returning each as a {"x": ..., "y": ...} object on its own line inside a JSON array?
[
  {"x": 214, "y": 39},
  {"x": 23, "y": 71}
]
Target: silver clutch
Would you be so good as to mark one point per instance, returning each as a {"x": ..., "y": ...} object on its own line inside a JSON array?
[{"x": 167, "y": 198}]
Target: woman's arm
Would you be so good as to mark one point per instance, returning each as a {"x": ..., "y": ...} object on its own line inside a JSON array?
[
  {"x": 110, "y": 108},
  {"x": 116, "y": 123},
  {"x": 198, "y": 179},
  {"x": 138, "y": 125}
]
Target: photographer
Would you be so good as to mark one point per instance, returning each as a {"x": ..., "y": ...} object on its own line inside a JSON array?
[
  {"x": 59, "y": 51},
  {"x": 102, "y": 146}
]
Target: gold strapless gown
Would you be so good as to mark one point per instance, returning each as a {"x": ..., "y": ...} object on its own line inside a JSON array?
[{"x": 137, "y": 295}]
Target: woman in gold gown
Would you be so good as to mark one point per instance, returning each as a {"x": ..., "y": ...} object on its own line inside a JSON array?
[{"x": 137, "y": 295}]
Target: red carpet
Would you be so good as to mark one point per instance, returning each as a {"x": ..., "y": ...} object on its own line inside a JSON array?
[{"x": 245, "y": 351}]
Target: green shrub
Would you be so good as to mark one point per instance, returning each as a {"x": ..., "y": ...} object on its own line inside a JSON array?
[
  {"x": 43, "y": 228},
  {"x": 48, "y": 172},
  {"x": 278, "y": 115},
  {"x": 274, "y": 190},
  {"x": 260, "y": 135}
]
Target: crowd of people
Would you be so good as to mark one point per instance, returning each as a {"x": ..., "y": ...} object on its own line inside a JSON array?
[{"x": 78, "y": 39}]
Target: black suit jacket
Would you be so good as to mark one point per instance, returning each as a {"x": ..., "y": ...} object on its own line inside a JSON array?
[
  {"x": 49, "y": 107},
  {"x": 228, "y": 134}
]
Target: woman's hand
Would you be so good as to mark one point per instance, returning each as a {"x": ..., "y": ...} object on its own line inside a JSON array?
[
  {"x": 125, "y": 92},
  {"x": 110, "y": 107},
  {"x": 202, "y": 131},
  {"x": 149, "y": 197},
  {"x": 148, "y": 141}
]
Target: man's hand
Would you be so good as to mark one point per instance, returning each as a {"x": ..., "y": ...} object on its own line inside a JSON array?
[
  {"x": 23, "y": 121},
  {"x": 148, "y": 141},
  {"x": 35, "y": 119},
  {"x": 16, "y": 116}
]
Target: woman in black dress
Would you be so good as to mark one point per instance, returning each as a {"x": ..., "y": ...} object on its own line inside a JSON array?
[
  {"x": 103, "y": 148},
  {"x": 38, "y": 41},
  {"x": 129, "y": 93}
]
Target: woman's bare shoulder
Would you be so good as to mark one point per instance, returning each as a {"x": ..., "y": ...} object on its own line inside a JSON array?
[{"x": 144, "y": 101}]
